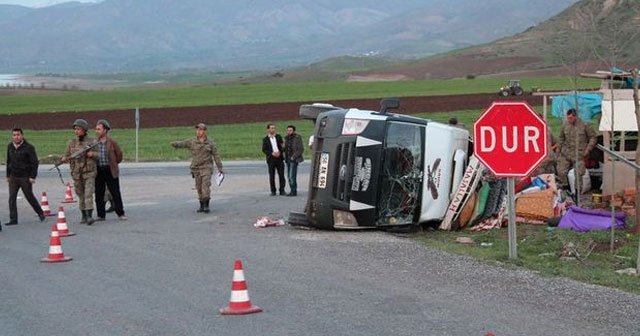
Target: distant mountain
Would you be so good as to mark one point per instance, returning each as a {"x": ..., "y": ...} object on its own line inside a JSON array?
[
  {"x": 142, "y": 35},
  {"x": 589, "y": 35},
  {"x": 10, "y": 13}
]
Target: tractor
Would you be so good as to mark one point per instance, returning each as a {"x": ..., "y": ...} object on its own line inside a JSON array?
[{"x": 513, "y": 88}]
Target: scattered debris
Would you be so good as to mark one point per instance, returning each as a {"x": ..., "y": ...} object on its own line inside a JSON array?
[
  {"x": 579, "y": 252},
  {"x": 624, "y": 200},
  {"x": 627, "y": 271},
  {"x": 265, "y": 221},
  {"x": 464, "y": 240}
]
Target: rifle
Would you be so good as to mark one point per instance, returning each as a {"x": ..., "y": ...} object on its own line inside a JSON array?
[{"x": 73, "y": 155}]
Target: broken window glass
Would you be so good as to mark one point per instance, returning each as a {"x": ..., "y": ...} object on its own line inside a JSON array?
[{"x": 401, "y": 174}]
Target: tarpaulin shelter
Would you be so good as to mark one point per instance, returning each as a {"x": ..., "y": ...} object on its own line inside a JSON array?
[{"x": 589, "y": 105}]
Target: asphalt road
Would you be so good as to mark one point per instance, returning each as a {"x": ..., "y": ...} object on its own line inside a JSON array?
[{"x": 168, "y": 270}]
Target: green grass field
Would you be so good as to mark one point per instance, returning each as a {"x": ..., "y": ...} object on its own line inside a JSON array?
[
  {"x": 235, "y": 142},
  {"x": 201, "y": 95}
]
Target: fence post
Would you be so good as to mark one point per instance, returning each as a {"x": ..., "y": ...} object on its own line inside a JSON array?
[{"x": 137, "y": 130}]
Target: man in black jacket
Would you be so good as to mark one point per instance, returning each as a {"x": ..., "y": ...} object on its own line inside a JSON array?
[
  {"x": 22, "y": 169},
  {"x": 272, "y": 149},
  {"x": 293, "y": 148}
]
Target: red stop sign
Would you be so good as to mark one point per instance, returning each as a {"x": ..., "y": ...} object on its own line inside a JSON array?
[{"x": 510, "y": 139}]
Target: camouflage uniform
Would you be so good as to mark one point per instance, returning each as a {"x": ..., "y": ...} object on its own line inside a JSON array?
[
  {"x": 567, "y": 142},
  {"x": 83, "y": 171},
  {"x": 203, "y": 155}
]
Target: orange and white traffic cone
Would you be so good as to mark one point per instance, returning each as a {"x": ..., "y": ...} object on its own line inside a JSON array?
[
  {"x": 61, "y": 225},
  {"x": 68, "y": 195},
  {"x": 55, "y": 248},
  {"x": 44, "y": 204},
  {"x": 239, "y": 303}
]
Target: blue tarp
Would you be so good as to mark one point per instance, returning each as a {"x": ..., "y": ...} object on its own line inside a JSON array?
[{"x": 589, "y": 105}]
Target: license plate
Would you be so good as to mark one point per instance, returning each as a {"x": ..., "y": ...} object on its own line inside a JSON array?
[{"x": 323, "y": 170}]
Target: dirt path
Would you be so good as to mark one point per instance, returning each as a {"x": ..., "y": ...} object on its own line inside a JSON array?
[{"x": 230, "y": 114}]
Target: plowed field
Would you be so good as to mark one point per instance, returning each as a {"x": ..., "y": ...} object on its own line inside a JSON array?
[{"x": 229, "y": 114}]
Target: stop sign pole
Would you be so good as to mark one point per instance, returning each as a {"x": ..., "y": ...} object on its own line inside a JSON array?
[{"x": 510, "y": 139}]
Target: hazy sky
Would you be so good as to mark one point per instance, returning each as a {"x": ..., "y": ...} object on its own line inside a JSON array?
[{"x": 38, "y": 3}]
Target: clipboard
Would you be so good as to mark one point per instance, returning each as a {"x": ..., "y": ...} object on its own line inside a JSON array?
[{"x": 219, "y": 178}]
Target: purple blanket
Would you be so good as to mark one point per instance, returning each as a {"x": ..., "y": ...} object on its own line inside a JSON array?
[{"x": 584, "y": 220}]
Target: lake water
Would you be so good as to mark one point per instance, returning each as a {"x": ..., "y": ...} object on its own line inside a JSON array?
[{"x": 11, "y": 79}]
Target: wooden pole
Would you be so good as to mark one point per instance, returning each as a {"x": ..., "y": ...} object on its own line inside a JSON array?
[
  {"x": 613, "y": 170},
  {"x": 637, "y": 107},
  {"x": 636, "y": 104}
]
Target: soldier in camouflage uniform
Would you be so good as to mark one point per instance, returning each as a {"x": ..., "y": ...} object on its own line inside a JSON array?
[
  {"x": 574, "y": 133},
  {"x": 203, "y": 154},
  {"x": 83, "y": 168}
]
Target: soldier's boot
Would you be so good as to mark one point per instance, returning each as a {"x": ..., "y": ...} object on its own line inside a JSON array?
[
  {"x": 84, "y": 217},
  {"x": 90, "y": 219},
  {"x": 201, "y": 209},
  {"x": 206, "y": 206}
]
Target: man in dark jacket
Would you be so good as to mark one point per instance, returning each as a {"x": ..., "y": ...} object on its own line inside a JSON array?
[
  {"x": 293, "y": 149},
  {"x": 272, "y": 146},
  {"x": 22, "y": 169},
  {"x": 109, "y": 156}
]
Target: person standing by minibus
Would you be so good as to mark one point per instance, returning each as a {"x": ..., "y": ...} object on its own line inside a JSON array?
[
  {"x": 293, "y": 149},
  {"x": 272, "y": 147}
]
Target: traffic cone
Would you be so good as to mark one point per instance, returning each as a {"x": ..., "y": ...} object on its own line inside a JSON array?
[
  {"x": 239, "y": 303},
  {"x": 61, "y": 225},
  {"x": 44, "y": 204},
  {"x": 68, "y": 195},
  {"x": 55, "y": 248}
]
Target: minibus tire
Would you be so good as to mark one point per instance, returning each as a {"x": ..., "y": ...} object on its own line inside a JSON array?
[{"x": 298, "y": 219}]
